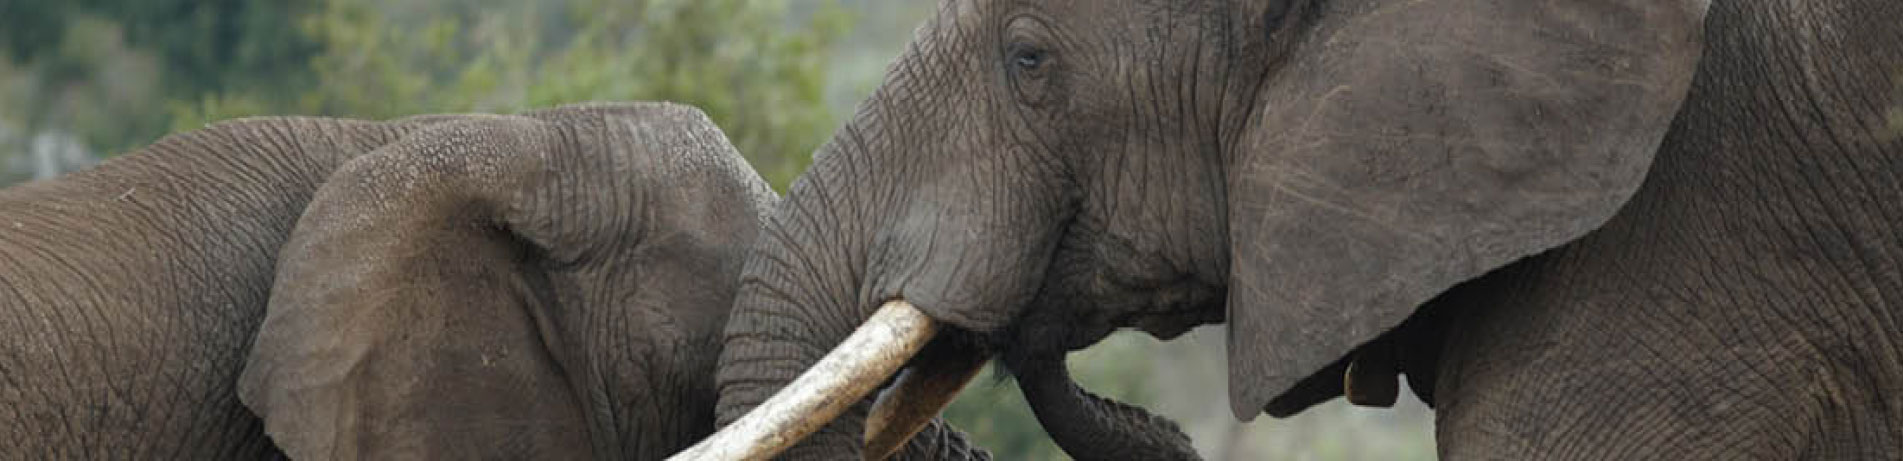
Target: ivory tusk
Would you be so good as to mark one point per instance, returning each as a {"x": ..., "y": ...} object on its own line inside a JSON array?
[
  {"x": 844, "y": 376},
  {"x": 918, "y": 395}
]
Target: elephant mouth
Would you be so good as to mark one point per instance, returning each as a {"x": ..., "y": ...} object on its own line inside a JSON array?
[
  {"x": 855, "y": 368},
  {"x": 876, "y": 350},
  {"x": 898, "y": 331}
]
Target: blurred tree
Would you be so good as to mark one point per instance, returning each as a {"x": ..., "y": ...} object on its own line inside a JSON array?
[
  {"x": 185, "y": 48},
  {"x": 31, "y": 26},
  {"x": 90, "y": 85},
  {"x": 201, "y": 44},
  {"x": 757, "y": 73},
  {"x": 207, "y": 45}
]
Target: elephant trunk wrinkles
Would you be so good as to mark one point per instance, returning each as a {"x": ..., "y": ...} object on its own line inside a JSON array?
[
  {"x": 794, "y": 302},
  {"x": 848, "y": 237},
  {"x": 769, "y": 342},
  {"x": 799, "y": 295},
  {"x": 1088, "y": 426}
]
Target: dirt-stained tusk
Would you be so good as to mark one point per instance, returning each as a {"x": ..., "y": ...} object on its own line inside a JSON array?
[
  {"x": 844, "y": 376},
  {"x": 918, "y": 395}
]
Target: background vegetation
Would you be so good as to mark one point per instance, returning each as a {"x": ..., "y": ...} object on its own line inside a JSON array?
[
  {"x": 83, "y": 78},
  {"x": 116, "y": 74}
]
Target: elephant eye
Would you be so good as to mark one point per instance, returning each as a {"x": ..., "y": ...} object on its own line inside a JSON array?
[
  {"x": 1029, "y": 63},
  {"x": 1028, "y": 59}
]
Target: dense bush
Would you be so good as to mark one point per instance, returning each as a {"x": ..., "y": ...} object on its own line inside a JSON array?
[{"x": 757, "y": 70}]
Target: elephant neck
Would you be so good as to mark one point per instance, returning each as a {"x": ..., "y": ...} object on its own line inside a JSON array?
[
  {"x": 197, "y": 209},
  {"x": 1788, "y": 139},
  {"x": 170, "y": 249}
]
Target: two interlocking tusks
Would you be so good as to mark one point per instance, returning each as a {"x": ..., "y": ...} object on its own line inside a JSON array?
[
  {"x": 857, "y": 365},
  {"x": 873, "y": 352},
  {"x": 915, "y": 399}
]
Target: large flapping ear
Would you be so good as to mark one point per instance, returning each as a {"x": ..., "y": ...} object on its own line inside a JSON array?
[
  {"x": 402, "y": 323},
  {"x": 434, "y": 300},
  {"x": 1403, "y": 146}
]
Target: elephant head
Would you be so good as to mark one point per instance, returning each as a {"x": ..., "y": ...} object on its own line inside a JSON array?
[
  {"x": 1033, "y": 175},
  {"x": 545, "y": 285}
]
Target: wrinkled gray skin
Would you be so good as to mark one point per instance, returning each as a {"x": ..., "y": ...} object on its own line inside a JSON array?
[
  {"x": 548, "y": 285},
  {"x": 544, "y": 285},
  {"x": 1716, "y": 179},
  {"x": 129, "y": 291}
]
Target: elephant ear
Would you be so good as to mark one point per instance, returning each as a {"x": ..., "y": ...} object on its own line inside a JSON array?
[
  {"x": 433, "y": 301},
  {"x": 1403, "y": 146},
  {"x": 403, "y": 323}
]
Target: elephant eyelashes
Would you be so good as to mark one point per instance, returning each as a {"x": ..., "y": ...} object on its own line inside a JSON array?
[
  {"x": 1028, "y": 62},
  {"x": 1029, "y": 68},
  {"x": 1027, "y": 59}
]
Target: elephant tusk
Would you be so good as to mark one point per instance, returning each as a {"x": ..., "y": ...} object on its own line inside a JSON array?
[
  {"x": 844, "y": 376},
  {"x": 918, "y": 395}
]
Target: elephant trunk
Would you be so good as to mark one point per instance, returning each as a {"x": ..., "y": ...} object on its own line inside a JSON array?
[
  {"x": 939, "y": 441},
  {"x": 772, "y": 337},
  {"x": 1091, "y": 427},
  {"x": 799, "y": 298},
  {"x": 884, "y": 214}
]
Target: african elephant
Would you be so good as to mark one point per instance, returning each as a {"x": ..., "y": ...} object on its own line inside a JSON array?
[
  {"x": 546, "y": 285},
  {"x": 129, "y": 291},
  {"x": 1620, "y": 228}
]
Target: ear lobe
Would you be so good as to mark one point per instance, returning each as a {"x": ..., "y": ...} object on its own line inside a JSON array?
[
  {"x": 403, "y": 323},
  {"x": 1406, "y": 146}
]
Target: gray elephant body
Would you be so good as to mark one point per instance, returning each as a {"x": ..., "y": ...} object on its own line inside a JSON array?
[
  {"x": 1747, "y": 303},
  {"x": 464, "y": 286},
  {"x": 130, "y": 291},
  {"x": 548, "y": 285},
  {"x": 1585, "y": 229}
]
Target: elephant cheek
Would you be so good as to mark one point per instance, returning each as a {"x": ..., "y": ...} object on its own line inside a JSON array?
[{"x": 970, "y": 273}]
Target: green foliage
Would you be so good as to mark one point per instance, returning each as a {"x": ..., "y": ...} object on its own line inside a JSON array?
[
  {"x": 758, "y": 72},
  {"x": 762, "y": 81},
  {"x": 104, "y": 69},
  {"x": 90, "y": 84},
  {"x": 215, "y": 44},
  {"x": 200, "y": 44},
  {"x": 31, "y": 26}
]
